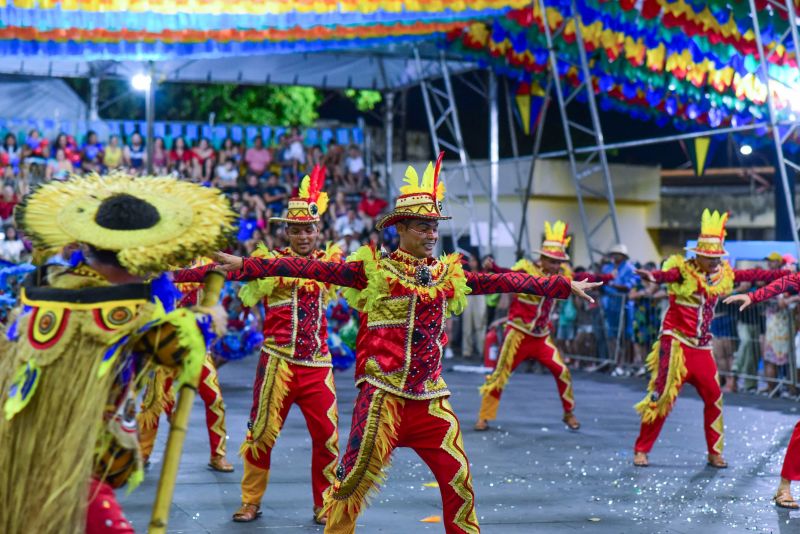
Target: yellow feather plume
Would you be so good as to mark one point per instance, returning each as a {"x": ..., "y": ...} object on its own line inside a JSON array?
[
  {"x": 411, "y": 180},
  {"x": 304, "y": 193},
  {"x": 322, "y": 203},
  {"x": 556, "y": 231},
  {"x": 713, "y": 224}
]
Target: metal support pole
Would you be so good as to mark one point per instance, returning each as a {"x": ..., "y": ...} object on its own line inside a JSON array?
[
  {"x": 494, "y": 153},
  {"x": 388, "y": 127},
  {"x": 94, "y": 96},
  {"x": 773, "y": 117},
  {"x": 537, "y": 145}
]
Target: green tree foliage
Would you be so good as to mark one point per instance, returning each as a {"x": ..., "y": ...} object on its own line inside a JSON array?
[
  {"x": 365, "y": 100},
  {"x": 276, "y": 105}
]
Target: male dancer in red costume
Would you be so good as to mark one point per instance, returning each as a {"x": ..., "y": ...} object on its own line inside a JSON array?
[
  {"x": 404, "y": 299},
  {"x": 528, "y": 331},
  {"x": 295, "y": 363},
  {"x": 683, "y": 352},
  {"x": 791, "y": 461}
]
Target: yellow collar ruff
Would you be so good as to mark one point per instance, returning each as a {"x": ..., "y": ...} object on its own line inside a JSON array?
[{"x": 692, "y": 279}]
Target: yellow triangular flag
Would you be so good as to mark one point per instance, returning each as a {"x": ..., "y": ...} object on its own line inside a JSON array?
[
  {"x": 524, "y": 107},
  {"x": 431, "y": 519},
  {"x": 701, "y": 145}
]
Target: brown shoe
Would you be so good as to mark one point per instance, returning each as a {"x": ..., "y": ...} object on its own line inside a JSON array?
[
  {"x": 482, "y": 425},
  {"x": 571, "y": 421},
  {"x": 640, "y": 459},
  {"x": 717, "y": 461},
  {"x": 319, "y": 517},
  {"x": 247, "y": 513},
  {"x": 219, "y": 463}
]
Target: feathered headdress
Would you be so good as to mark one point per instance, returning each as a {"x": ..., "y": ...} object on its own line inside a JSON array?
[
  {"x": 418, "y": 199},
  {"x": 712, "y": 234},
  {"x": 311, "y": 201},
  {"x": 555, "y": 241}
]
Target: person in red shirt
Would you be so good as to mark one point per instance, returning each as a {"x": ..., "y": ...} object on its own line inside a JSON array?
[
  {"x": 371, "y": 206},
  {"x": 8, "y": 202}
]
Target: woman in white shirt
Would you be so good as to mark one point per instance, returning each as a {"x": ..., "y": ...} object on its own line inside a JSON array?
[{"x": 12, "y": 248}]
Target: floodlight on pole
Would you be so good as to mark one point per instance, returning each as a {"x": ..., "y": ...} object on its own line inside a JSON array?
[
  {"x": 141, "y": 82},
  {"x": 745, "y": 150}
]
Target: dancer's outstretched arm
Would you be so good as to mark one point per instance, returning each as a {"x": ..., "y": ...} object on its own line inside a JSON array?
[
  {"x": 559, "y": 287},
  {"x": 788, "y": 283}
]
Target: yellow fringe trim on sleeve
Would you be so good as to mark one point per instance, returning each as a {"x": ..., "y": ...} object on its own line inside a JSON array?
[
  {"x": 345, "y": 499},
  {"x": 692, "y": 279},
  {"x": 499, "y": 378},
  {"x": 156, "y": 397},
  {"x": 380, "y": 282},
  {"x": 651, "y": 410},
  {"x": 268, "y": 422}
]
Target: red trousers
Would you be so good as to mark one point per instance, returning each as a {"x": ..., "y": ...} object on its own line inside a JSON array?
[
  {"x": 672, "y": 364},
  {"x": 278, "y": 385},
  {"x": 104, "y": 514},
  {"x": 209, "y": 391},
  {"x": 517, "y": 348},
  {"x": 383, "y": 421},
  {"x": 791, "y": 462}
]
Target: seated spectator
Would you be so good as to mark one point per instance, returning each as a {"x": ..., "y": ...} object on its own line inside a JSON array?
[
  {"x": 204, "y": 157},
  {"x": 180, "y": 158},
  {"x": 33, "y": 146},
  {"x": 275, "y": 196},
  {"x": 315, "y": 157},
  {"x": 7, "y": 203},
  {"x": 339, "y": 207},
  {"x": 354, "y": 163},
  {"x": 253, "y": 192},
  {"x": 352, "y": 221},
  {"x": 229, "y": 150},
  {"x": 283, "y": 157},
  {"x": 296, "y": 153},
  {"x": 12, "y": 155},
  {"x": 348, "y": 243},
  {"x": 135, "y": 155},
  {"x": 12, "y": 247},
  {"x": 92, "y": 153},
  {"x": 60, "y": 167},
  {"x": 70, "y": 148},
  {"x": 226, "y": 175},
  {"x": 258, "y": 158},
  {"x": 160, "y": 157},
  {"x": 334, "y": 162},
  {"x": 249, "y": 222},
  {"x": 370, "y": 207},
  {"x": 112, "y": 155}
]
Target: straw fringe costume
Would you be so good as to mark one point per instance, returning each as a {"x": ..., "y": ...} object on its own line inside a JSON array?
[
  {"x": 788, "y": 284},
  {"x": 683, "y": 352},
  {"x": 527, "y": 334},
  {"x": 79, "y": 343},
  {"x": 402, "y": 399}
]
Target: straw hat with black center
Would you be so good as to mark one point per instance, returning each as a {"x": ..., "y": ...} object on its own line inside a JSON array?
[
  {"x": 150, "y": 223},
  {"x": 555, "y": 241},
  {"x": 711, "y": 242},
  {"x": 311, "y": 201},
  {"x": 418, "y": 199}
]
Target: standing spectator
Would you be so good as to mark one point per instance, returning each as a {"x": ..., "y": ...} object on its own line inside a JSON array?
[
  {"x": 646, "y": 318},
  {"x": 135, "y": 155},
  {"x": 112, "y": 155},
  {"x": 92, "y": 153},
  {"x": 7, "y": 203},
  {"x": 12, "y": 154},
  {"x": 275, "y": 196},
  {"x": 180, "y": 158},
  {"x": 203, "y": 157},
  {"x": 614, "y": 298},
  {"x": 566, "y": 331},
  {"x": 748, "y": 329},
  {"x": 370, "y": 207},
  {"x": 723, "y": 328},
  {"x": 12, "y": 247},
  {"x": 258, "y": 158},
  {"x": 352, "y": 221},
  {"x": 226, "y": 175},
  {"x": 354, "y": 163},
  {"x": 160, "y": 157},
  {"x": 473, "y": 319},
  {"x": 777, "y": 336}
]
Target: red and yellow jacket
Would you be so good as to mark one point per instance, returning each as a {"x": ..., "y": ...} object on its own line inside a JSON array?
[{"x": 404, "y": 302}]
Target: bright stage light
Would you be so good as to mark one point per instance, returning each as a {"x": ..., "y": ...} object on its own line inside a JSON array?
[
  {"x": 746, "y": 150},
  {"x": 141, "y": 82}
]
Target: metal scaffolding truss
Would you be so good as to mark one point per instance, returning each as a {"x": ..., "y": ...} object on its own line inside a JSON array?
[
  {"x": 781, "y": 131},
  {"x": 592, "y": 161}
]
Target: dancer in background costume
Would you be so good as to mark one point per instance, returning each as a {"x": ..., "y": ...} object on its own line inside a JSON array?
[
  {"x": 86, "y": 332},
  {"x": 295, "y": 364},
  {"x": 791, "y": 461},
  {"x": 404, "y": 298},
  {"x": 683, "y": 352},
  {"x": 527, "y": 335},
  {"x": 159, "y": 397}
]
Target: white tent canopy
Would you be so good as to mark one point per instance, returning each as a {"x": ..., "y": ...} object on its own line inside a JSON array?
[
  {"x": 39, "y": 99},
  {"x": 382, "y": 71}
]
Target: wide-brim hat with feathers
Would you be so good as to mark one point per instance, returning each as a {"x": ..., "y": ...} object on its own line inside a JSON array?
[
  {"x": 151, "y": 222},
  {"x": 418, "y": 199},
  {"x": 311, "y": 201}
]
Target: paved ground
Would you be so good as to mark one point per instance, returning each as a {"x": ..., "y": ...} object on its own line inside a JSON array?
[{"x": 531, "y": 474}]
